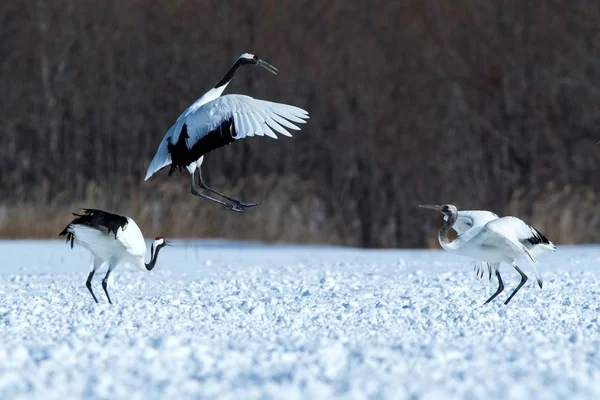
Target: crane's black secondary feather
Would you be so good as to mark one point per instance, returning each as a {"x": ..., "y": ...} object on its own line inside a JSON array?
[
  {"x": 69, "y": 235},
  {"x": 96, "y": 219},
  {"x": 537, "y": 237},
  {"x": 182, "y": 156}
]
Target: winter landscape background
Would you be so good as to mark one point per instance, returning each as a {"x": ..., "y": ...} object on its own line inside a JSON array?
[
  {"x": 232, "y": 320},
  {"x": 484, "y": 104}
]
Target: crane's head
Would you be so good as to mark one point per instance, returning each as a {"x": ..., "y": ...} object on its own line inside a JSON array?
[
  {"x": 448, "y": 210},
  {"x": 248, "y": 58},
  {"x": 159, "y": 242}
]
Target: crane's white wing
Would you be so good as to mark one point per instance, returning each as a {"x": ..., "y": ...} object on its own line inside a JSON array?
[
  {"x": 242, "y": 116},
  {"x": 131, "y": 239},
  {"x": 525, "y": 234},
  {"x": 466, "y": 219},
  {"x": 250, "y": 117},
  {"x": 161, "y": 159},
  {"x": 520, "y": 236}
]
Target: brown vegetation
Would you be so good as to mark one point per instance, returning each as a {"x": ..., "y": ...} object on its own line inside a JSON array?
[{"x": 487, "y": 104}]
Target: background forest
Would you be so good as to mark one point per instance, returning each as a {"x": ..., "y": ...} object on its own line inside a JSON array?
[{"x": 487, "y": 104}]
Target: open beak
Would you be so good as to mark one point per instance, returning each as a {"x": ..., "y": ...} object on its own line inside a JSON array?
[
  {"x": 430, "y": 206},
  {"x": 168, "y": 243},
  {"x": 268, "y": 66}
]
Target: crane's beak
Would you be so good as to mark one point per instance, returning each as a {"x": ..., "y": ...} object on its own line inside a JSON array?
[
  {"x": 168, "y": 243},
  {"x": 267, "y": 66},
  {"x": 432, "y": 207}
]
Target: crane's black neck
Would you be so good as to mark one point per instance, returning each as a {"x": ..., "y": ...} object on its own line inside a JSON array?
[
  {"x": 153, "y": 256},
  {"x": 229, "y": 75},
  {"x": 443, "y": 233}
]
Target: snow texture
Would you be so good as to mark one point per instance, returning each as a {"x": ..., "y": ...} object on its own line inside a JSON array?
[{"x": 232, "y": 321}]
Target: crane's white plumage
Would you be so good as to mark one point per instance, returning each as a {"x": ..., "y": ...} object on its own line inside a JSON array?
[
  {"x": 485, "y": 237},
  {"x": 522, "y": 234},
  {"x": 492, "y": 243},
  {"x": 519, "y": 230},
  {"x": 213, "y": 121},
  {"x": 128, "y": 246},
  {"x": 112, "y": 239}
]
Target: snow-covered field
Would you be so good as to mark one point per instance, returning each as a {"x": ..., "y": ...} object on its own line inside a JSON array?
[{"x": 247, "y": 321}]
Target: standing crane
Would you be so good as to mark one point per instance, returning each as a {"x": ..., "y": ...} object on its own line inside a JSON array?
[
  {"x": 213, "y": 121},
  {"x": 498, "y": 240},
  {"x": 112, "y": 239}
]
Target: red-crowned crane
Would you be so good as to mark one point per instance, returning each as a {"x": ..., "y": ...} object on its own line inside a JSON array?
[
  {"x": 492, "y": 240},
  {"x": 213, "y": 121},
  {"x": 112, "y": 239}
]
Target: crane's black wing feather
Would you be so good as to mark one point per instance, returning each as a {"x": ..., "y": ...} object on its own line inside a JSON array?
[
  {"x": 97, "y": 219},
  {"x": 537, "y": 237}
]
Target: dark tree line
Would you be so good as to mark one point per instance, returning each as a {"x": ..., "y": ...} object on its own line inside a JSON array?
[{"x": 487, "y": 104}]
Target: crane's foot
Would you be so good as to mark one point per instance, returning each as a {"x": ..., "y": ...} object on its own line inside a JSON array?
[
  {"x": 246, "y": 205},
  {"x": 240, "y": 207},
  {"x": 234, "y": 208},
  {"x": 89, "y": 286}
]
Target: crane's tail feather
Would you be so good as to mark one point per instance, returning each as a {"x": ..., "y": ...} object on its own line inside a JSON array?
[
  {"x": 69, "y": 234},
  {"x": 479, "y": 269}
]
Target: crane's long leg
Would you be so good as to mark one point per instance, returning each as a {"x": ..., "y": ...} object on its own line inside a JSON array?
[
  {"x": 105, "y": 283},
  {"x": 500, "y": 288},
  {"x": 523, "y": 280},
  {"x": 232, "y": 207},
  {"x": 88, "y": 283},
  {"x": 236, "y": 202}
]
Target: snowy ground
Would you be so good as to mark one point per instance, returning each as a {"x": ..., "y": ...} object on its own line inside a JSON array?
[{"x": 247, "y": 321}]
